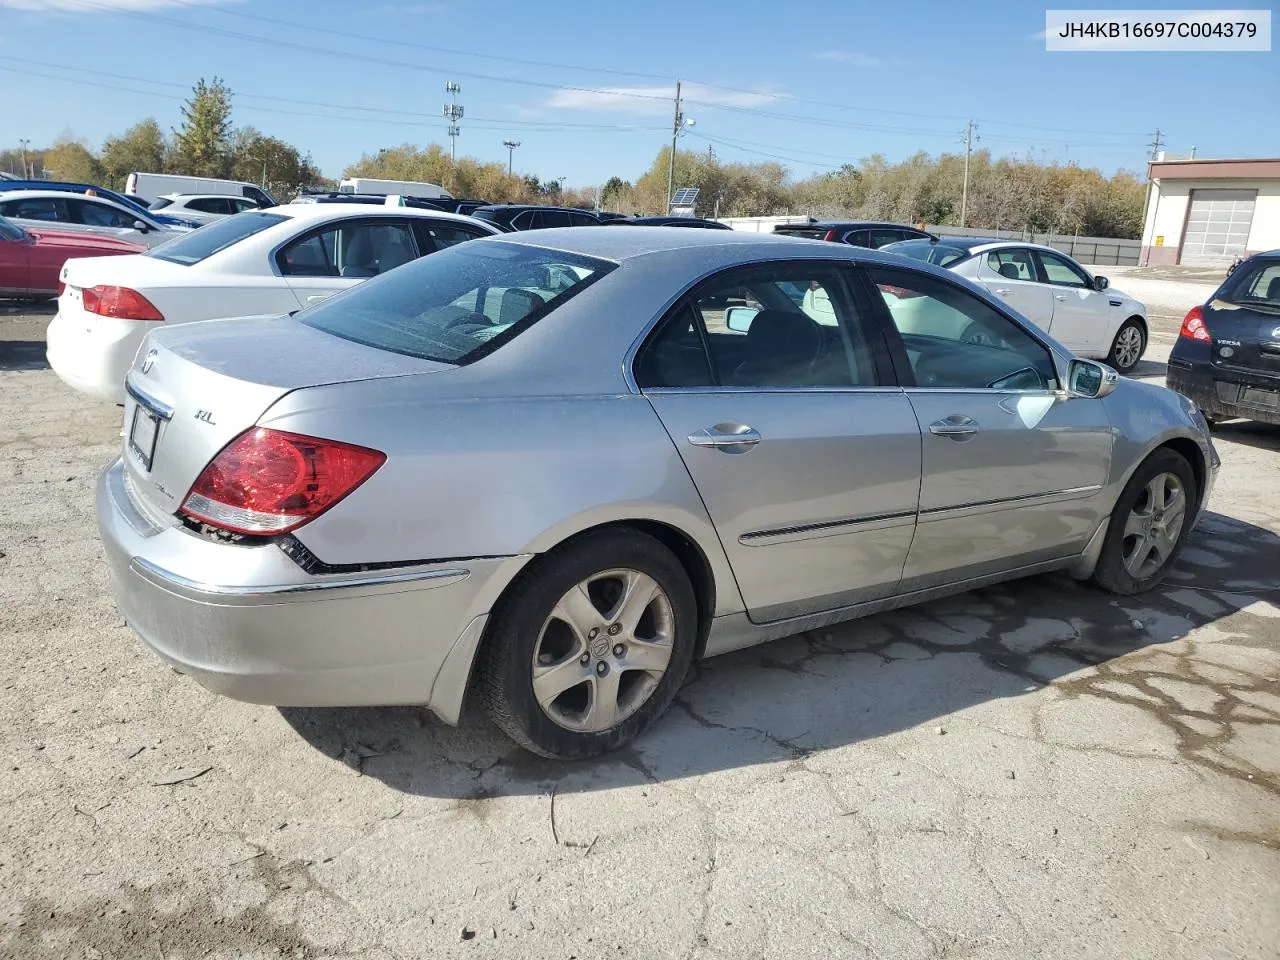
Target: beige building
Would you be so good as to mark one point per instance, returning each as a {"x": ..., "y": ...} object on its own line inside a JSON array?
[{"x": 1209, "y": 212}]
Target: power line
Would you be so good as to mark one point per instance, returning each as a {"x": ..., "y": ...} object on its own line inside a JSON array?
[{"x": 761, "y": 153}]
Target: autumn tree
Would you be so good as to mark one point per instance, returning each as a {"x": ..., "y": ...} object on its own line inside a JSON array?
[
  {"x": 72, "y": 160},
  {"x": 202, "y": 145}
]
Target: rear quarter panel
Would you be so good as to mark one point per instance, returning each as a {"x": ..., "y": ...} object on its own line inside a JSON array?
[{"x": 497, "y": 476}]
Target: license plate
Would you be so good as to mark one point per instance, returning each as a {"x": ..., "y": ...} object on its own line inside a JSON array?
[
  {"x": 142, "y": 434},
  {"x": 1270, "y": 399}
]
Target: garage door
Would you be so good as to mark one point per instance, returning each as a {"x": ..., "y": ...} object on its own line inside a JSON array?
[{"x": 1217, "y": 226}]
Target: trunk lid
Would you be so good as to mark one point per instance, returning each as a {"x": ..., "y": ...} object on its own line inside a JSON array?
[
  {"x": 1252, "y": 333},
  {"x": 193, "y": 388},
  {"x": 134, "y": 271}
]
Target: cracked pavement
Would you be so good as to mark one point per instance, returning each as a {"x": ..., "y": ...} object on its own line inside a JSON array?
[{"x": 1034, "y": 770}]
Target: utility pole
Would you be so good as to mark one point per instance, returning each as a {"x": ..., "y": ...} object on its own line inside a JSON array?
[
  {"x": 453, "y": 113},
  {"x": 969, "y": 137},
  {"x": 1155, "y": 145},
  {"x": 671, "y": 160},
  {"x": 511, "y": 150},
  {"x": 24, "y": 142}
]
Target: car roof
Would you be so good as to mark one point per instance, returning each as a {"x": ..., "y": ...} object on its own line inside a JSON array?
[
  {"x": 531, "y": 206},
  {"x": 841, "y": 224},
  {"x": 722, "y": 246},
  {"x": 58, "y": 194},
  {"x": 203, "y": 196},
  {"x": 327, "y": 211}
]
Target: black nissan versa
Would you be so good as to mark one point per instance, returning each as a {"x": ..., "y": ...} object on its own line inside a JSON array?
[{"x": 1227, "y": 358}]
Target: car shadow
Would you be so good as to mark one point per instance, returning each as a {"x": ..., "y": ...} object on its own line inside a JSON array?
[
  {"x": 1148, "y": 368},
  {"x": 1251, "y": 433},
  {"x": 23, "y": 355},
  {"x": 797, "y": 697}
]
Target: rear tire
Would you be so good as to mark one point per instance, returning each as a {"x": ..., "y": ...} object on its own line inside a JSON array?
[
  {"x": 576, "y": 660},
  {"x": 1128, "y": 346},
  {"x": 1149, "y": 524}
]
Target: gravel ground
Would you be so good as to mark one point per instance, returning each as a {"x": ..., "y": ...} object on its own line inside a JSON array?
[{"x": 1036, "y": 770}]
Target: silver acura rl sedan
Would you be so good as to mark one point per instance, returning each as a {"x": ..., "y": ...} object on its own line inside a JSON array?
[{"x": 557, "y": 467}]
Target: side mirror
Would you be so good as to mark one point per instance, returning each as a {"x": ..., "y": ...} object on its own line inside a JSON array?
[
  {"x": 140, "y": 226},
  {"x": 1101, "y": 283},
  {"x": 1090, "y": 379},
  {"x": 738, "y": 319}
]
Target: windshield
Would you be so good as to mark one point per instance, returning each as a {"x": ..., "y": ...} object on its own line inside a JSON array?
[
  {"x": 189, "y": 248},
  {"x": 929, "y": 251},
  {"x": 1254, "y": 284},
  {"x": 457, "y": 305},
  {"x": 10, "y": 231}
]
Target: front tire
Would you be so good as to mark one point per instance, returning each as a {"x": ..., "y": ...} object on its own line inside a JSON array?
[
  {"x": 1128, "y": 346},
  {"x": 590, "y": 645},
  {"x": 1149, "y": 525}
]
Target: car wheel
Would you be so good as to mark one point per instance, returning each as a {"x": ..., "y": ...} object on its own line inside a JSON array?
[
  {"x": 1149, "y": 524},
  {"x": 590, "y": 645},
  {"x": 1128, "y": 346}
]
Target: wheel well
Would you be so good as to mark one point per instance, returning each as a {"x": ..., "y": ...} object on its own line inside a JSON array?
[
  {"x": 1190, "y": 451},
  {"x": 1142, "y": 322}
]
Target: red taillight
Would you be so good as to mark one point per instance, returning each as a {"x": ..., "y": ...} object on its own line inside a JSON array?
[
  {"x": 830, "y": 235},
  {"x": 1193, "y": 327},
  {"x": 267, "y": 481},
  {"x": 120, "y": 303}
]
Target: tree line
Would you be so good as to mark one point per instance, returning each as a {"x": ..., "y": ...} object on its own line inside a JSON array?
[
  {"x": 205, "y": 144},
  {"x": 1007, "y": 193}
]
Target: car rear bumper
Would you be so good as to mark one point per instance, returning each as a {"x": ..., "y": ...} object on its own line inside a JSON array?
[
  {"x": 248, "y": 623},
  {"x": 92, "y": 354},
  {"x": 1221, "y": 393}
]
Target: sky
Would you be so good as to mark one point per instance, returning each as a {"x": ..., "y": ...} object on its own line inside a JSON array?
[{"x": 587, "y": 89}]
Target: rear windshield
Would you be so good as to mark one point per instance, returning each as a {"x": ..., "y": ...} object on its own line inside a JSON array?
[
  {"x": 159, "y": 203},
  {"x": 929, "y": 251},
  {"x": 810, "y": 233},
  {"x": 1254, "y": 284},
  {"x": 457, "y": 305},
  {"x": 201, "y": 244}
]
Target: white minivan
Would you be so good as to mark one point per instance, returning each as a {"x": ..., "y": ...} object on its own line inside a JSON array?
[
  {"x": 149, "y": 186},
  {"x": 404, "y": 188}
]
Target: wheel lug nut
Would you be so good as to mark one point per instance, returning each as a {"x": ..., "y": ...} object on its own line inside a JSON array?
[
  {"x": 602, "y": 668},
  {"x": 584, "y": 659},
  {"x": 591, "y": 635},
  {"x": 615, "y": 629},
  {"x": 619, "y": 649}
]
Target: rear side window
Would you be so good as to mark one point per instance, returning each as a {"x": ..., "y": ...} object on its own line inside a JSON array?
[
  {"x": 36, "y": 208},
  {"x": 880, "y": 238},
  {"x": 159, "y": 203},
  {"x": 99, "y": 214},
  {"x": 208, "y": 205},
  {"x": 457, "y": 305},
  {"x": 358, "y": 250},
  {"x": 940, "y": 254},
  {"x": 190, "y": 248},
  {"x": 438, "y": 234}
]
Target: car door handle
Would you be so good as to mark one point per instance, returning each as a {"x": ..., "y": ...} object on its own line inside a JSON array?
[
  {"x": 317, "y": 297},
  {"x": 1060, "y": 296},
  {"x": 730, "y": 437},
  {"x": 956, "y": 427},
  {"x": 1004, "y": 292}
]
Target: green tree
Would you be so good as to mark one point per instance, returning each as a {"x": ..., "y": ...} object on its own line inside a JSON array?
[
  {"x": 277, "y": 165},
  {"x": 202, "y": 145},
  {"x": 140, "y": 148}
]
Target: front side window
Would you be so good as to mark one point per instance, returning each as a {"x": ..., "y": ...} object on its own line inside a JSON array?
[
  {"x": 1061, "y": 272},
  {"x": 100, "y": 215},
  {"x": 880, "y": 238},
  {"x": 356, "y": 250},
  {"x": 955, "y": 340},
  {"x": 208, "y": 205},
  {"x": 1012, "y": 264},
  {"x": 190, "y": 248},
  {"x": 784, "y": 325},
  {"x": 457, "y": 305}
]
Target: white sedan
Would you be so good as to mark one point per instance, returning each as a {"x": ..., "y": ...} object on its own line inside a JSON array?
[
  {"x": 84, "y": 213},
  {"x": 202, "y": 207},
  {"x": 273, "y": 261},
  {"x": 1083, "y": 312}
]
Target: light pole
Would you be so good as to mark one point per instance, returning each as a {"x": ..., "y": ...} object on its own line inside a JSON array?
[
  {"x": 23, "y": 143},
  {"x": 511, "y": 150},
  {"x": 677, "y": 123}
]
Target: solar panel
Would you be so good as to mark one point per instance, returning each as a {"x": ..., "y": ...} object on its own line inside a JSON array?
[{"x": 684, "y": 197}]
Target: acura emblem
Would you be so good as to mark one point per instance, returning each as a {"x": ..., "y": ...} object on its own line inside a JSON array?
[{"x": 148, "y": 361}]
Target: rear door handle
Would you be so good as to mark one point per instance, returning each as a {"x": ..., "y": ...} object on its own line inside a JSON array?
[
  {"x": 317, "y": 297},
  {"x": 729, "y": 437},
  {"x": 956, "y": 427},
  {"x": 1005, "y": 292},
  {"x": 1060, "y": 296}
]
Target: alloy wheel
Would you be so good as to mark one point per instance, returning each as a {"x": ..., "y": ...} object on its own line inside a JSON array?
[
  {"x": 603, "y": 650},
  {"x": 1128, "y": 347},
  {"x": 1153, "y": 526}
]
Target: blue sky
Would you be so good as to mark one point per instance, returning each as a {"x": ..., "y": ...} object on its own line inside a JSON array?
[{"x": 812, "y": 82}]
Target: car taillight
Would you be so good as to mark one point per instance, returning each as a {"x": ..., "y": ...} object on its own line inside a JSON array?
[
  {"x": 1193, "y": 327},
  {"x": 268, "y": 481},
  {"x": 829, "y": 236},
  {"x": 120, "y": 303}
]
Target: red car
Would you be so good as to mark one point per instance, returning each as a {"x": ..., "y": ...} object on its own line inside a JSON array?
[{"x": 31, "y": 260}]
